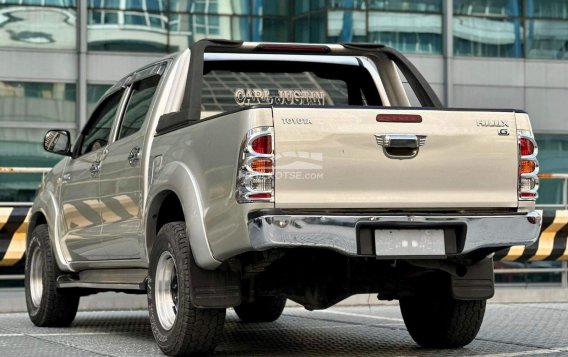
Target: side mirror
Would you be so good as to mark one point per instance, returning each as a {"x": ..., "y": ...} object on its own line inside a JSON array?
[{"x": 58, "y": 142}]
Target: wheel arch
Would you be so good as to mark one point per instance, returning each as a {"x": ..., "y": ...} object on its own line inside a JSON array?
[
  {"x": 166, "y": 207},
  {"x": 44, "y": 211},
  {"x": 36, "y": 219},
  {"x": 176, "y": 185}
]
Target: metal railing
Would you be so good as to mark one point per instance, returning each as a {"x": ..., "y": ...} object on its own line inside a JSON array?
[
  {"x": 563, "y": 270},
  {"x": 22, "y": 170},
  {"x": 564, "y": 203}
]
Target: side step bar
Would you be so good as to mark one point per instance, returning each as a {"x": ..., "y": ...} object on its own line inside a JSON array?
[{"x": 106, "y": 279}]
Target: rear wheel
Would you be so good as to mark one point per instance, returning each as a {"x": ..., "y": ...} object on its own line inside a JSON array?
[
  {"x": 440, "y": 321},
  {"x": 263, "y": 309},
  {"x": 178, "y": 327},
  {"x": 47, "y": 305}
]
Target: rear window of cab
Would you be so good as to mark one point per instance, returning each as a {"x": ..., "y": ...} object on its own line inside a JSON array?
[{"x": 230, "y": 85}]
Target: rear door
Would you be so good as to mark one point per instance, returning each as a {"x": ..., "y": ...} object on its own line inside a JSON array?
[
  {"x": 380, "y": 158},
  {"x": 121, "y": 172}
]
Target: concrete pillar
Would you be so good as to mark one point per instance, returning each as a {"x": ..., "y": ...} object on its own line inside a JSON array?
[
  {"x": 82, "y": 17},
  {"x": 448, "y": 50}
]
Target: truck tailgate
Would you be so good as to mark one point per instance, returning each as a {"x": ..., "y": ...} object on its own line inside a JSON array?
[{"x": 330, "y": 158}]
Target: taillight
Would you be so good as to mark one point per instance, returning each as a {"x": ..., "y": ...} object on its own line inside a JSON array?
[
  {"x": 526, "y": 146},
  {"x": 528, "y": 167},
  {"x": 261, "y": 145},
  {"x": 255, "y": 180}
]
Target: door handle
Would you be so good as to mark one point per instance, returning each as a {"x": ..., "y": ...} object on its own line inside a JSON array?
[
  {"x": 95, "y": 168},
  {"x": 400, "y": 146},
  {"x": 64, "y": 178},
  {"x": 134, "y": 156}
]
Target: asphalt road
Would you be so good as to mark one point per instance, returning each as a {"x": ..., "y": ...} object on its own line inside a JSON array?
[{"x": 508, "y": 331}]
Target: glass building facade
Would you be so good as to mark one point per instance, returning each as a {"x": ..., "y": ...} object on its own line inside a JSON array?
[
  {"x": 86, "y": 34},
  {"x": 491, "y": 28}
]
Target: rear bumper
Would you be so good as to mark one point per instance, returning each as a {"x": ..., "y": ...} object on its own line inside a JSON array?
[{"x": 342, "y": 233}]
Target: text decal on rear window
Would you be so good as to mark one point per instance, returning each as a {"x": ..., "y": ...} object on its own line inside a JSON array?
[{"x": 254, "y": 96}]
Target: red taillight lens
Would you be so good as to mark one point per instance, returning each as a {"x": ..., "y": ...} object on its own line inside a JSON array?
[
  {"x": 262, "y": 165},
  {"x": 262, "y": 145},
  {"x": 528, "y": 195},
  {"x": 527, "y": 147},
  {"x": 259, "y": 196}
]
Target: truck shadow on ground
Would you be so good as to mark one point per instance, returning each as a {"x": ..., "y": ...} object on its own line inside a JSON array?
[{"x": 291, "y": 335}]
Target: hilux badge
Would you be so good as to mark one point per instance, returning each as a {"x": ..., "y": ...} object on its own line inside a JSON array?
[{"x": 493, "y": 123}]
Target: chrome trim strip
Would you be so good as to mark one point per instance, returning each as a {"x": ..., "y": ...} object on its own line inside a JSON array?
[{"x": 339, "y": 232}]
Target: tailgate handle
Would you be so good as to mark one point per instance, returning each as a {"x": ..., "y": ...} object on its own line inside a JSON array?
[{"x": 400, "y": 146}]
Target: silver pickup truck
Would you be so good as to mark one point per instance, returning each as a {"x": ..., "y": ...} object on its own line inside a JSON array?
[{"x": 240, "y": 175}]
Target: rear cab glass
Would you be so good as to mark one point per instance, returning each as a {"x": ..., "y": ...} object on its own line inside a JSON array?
[{"x": 233, "y": 84}]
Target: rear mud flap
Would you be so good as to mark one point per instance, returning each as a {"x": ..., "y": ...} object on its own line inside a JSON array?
[{"x": 477, "y": 283}]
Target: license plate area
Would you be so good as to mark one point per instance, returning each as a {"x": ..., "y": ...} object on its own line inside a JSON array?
[
  {"x": 386, "y": 239},
  {"x": 409, "y": 242}
]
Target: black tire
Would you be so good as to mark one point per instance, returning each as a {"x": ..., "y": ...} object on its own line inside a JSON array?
[
  {"x": 263, "y": 309},
  {"x": 193, "y": 331},
  {"x": 441, "y": 321},
  {"x": 52, "y": 306}
]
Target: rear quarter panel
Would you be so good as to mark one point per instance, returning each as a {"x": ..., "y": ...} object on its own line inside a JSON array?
[{"x": 199, "y": 163}]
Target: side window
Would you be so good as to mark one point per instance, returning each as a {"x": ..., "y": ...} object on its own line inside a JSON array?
[
  {"x": 137, "y": 108},
  {"x": 98, "y": 130}
]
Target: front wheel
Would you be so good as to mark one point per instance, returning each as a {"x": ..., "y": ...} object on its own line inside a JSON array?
[
  {"x": 178, "y": 327},
  {"x": 263, "y": 309},
  {"x": 440, "y": 321},
  {"x": 47, "y": 305}
]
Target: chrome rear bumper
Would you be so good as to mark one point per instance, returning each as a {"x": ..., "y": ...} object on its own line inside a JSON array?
[{"x": 339, "y": 233}]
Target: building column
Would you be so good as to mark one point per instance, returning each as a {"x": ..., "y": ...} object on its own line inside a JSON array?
[
  {"x": 82, "y": 17},
  {"x": 448, "y": 51}
]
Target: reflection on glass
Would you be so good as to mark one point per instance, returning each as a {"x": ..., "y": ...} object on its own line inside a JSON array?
[
  {"x": 273, "y": 8},
  {"x": 488, "y": 28},
  {"x": 94, "y": 93},
  {"x": 401, "y": 5},
  {"x": 310, "y": 28},
  {"x": 547, "y": 39},
  {"x": 37, "y": 27},
  {"x": 171, "y": 25},
  {"x": 304, "y": 6},
  {"x": 487, "y": 7},
  {"x": 346, "y": 26},
  {"x": 37, "y": 102},
  {"x": 138, "y": 26},
  {"x": 552, "y": 9},
  {"x": 187, "y": 29},
  {"x": 414, "y": 33},
  {"x": 346, "y": 4},
  {"x": 491, "y": 37},
  {"x": 215, "y": 7},
  {"x": 271, "y": 29}
]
